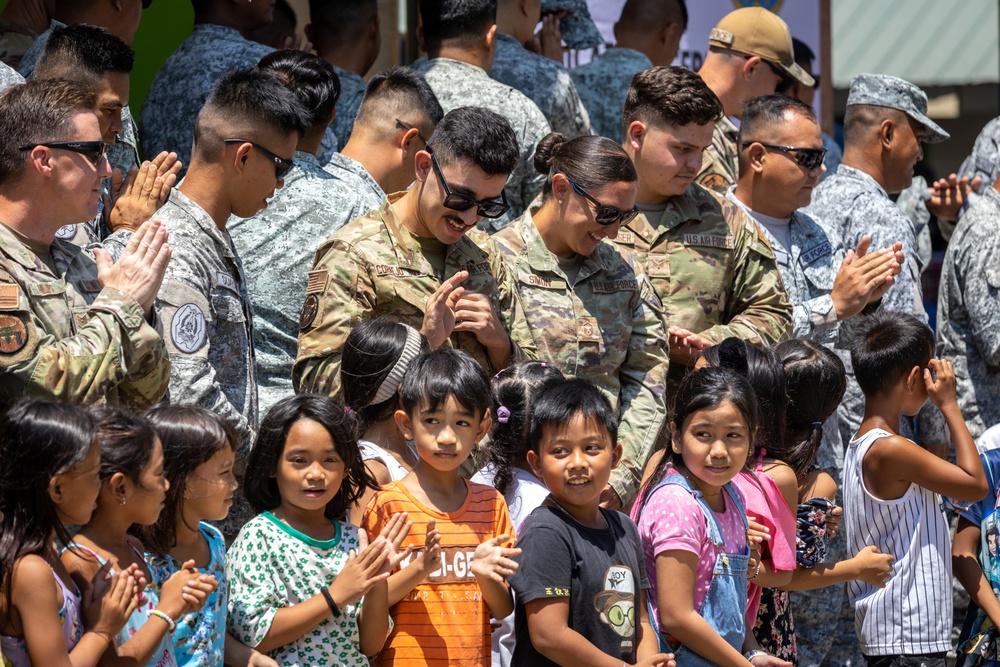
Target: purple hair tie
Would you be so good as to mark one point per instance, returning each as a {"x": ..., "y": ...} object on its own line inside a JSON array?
[{"x": 503, "y": 414}]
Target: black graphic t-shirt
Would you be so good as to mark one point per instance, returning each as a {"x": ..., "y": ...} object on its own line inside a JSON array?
[{"x": 600, "y": 571}]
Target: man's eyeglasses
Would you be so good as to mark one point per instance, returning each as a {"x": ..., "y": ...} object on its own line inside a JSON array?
[
  {"x": 406, "y": 127},
  {"x": 281, "y": 165},
  {"x": 807, "y": 158},
  {"x": 604, "y": 214},
  {"x": 458, "y": 201},
  {"x": 94, "y": 151}
]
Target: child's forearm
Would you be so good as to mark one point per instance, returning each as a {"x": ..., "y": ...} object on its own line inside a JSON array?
[
  {"x": 497, "y": 597},
  {"x": 404, "y": 581},
  {"x": 237, "y": 653},
  {"x": 771, "y": 578},
  {"x": 89, "y": 649},
  {"x": 649, "y": 643},
  {"x": 970, "y": 575},
  {"x": 568, "y": 648},
  {"x": 140, "y": 647},
  {"x": 373, "y": 623},
  {"x": 822, "y": 575},
  {"x": 291, "y": 623},
  {"x": 692, "y": 630},
  {"x": 966, "y": 454}
]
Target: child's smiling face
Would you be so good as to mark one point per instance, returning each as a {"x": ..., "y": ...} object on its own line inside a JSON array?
[
  {"x": 713, "y": 443},
  {"x": 310, "y": 470}
]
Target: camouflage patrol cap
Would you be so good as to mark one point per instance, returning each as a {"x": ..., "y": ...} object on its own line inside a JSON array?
[
  {"x": 759, "y": 32},
  {"x": 882, "y": 90},
  {"x": 578, "y": 30}
]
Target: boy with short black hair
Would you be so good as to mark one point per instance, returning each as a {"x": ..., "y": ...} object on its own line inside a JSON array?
[
  {"x": 581, "y": 586},
  {"x": 441, "y": 600},
  {"x": 891, "y": 493}
]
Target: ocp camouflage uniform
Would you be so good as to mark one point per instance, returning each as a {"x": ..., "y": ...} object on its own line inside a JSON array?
[
  {"x": 545, "y": 82},
  {"x": 720, "y": 162},
  {"x": 458, "y": 84},
  {"x": 277, "y": 247},
  {"x": 354, "y": 175},
  {"x": 206, "y": 319},
  {"x": 184, "y": 82},
  {"x": 352, "y": 93},
  {"x": 603, "y": 84},
  {"x": 606, "y": 327},
  {"x": 713, "y": 271},
  {"x": 375, "y": 266},
  {"x": 65, "y": 336},
  {"x": 968, "y": 320}
]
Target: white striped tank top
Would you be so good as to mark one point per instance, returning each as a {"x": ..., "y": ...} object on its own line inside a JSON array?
[{"x": 913, "y": 613}]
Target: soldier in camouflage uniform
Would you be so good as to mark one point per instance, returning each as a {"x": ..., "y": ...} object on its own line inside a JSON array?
[
  {"x": 185, "y": 80},
  {"x": 420, "y": 262},
  {"x": 593, "y": 315},
  {"x": 576, "y": 26},
  {"x": 713, "y": 270},
  {"x": 750, "y": 54},
  {"x": 458, "y": 75},
  {"x": 546, "y": 82},
  {"x": 9, "y": 77},
  {"x": 647, "y": 34},
  {"x": 346, "y": 35},
  {"x": 968, "y": 324},
  {"x": 70, "y": 327}
]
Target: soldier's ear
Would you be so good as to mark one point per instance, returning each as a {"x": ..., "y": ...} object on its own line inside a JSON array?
[
  {"x": 421, "y": 165},
  {"x": 560, "y": 187},
  {"x": 490, "y": 38},
  {"x": 636, "y": 134},
  {"x": 756, "y": 153},
  {"x": 886, "y": 131}
]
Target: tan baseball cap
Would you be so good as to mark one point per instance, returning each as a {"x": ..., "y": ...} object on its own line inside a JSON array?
[{"x": 759, "y": 32}]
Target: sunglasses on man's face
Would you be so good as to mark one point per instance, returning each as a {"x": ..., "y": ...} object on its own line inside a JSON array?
[
  {"x": 603, "y": 213},
  {"x": 94, "y": 151},
  {"x": 458, "y": 201},
  {"x": 281, "y": 165},
  {"x": 807, "y": 158}
]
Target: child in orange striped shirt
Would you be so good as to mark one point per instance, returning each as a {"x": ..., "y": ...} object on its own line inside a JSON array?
[{"x": 443, "y": 596}]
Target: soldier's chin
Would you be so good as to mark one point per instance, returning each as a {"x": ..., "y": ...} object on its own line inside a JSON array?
[{"x": 249, "y": 211}]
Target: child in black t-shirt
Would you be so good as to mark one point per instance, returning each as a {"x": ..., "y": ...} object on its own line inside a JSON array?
[{"x": 581, "y": 585}]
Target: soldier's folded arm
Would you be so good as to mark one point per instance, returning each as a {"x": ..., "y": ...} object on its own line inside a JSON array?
[
  {"x": 982, "y": 297},
  {"x": 815, "y": 318},
  {"x": 522, "y": 345}
]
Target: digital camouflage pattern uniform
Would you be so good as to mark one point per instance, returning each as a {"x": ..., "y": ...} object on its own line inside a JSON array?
[
  {"x": 374, "y": 266},
  {"x": 603, "y": 85},
  {"x": 184, "y": 82},
  {"x": 9, "y": 77},
  {"x": 546, "y": 83},
  {"x": 720, "y": 163},
  {"x": 457, "y": 84},
  {"x": 713, "y": 271},
  {"x": 968, "y": 319},
  {"x": 984, "y": 161},
  {"x": 277, "y": 247},
  {"x": 64, "y": 335},
  {"x": 206, "y": 319},
  {"x": 354, "y": 175},
  {"x": 576, "y": 27},
  {"x": 352, "y": 93},
  {"x": 606, "y": 327}
]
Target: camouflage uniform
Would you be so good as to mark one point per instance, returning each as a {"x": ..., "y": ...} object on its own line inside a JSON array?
[
  {"x": 720, "y": 164},
  {"x": 968, "y": 324},
  {"x": 353, "y": 174},
  {"x": 15, "y": 40},
  {"x": 9, "y": 77},
  {"x": 458, "y": 84},
  {"x": 713, "y": 270},
  {"x": 606, "y": 327},
  {"x": 34, "y": 52},
  {"x": 65, "y": 336},
  {"x": 603, "y": 84},
  {"x": 352, "y": 93},
  {"x": 206, "y": 319},
  {"x": 577, "y": 27},
  {"x": 184, "y": 82},
  {"x": 913, "y": 204},
  {"x": 984, "y": 161},
  {"x": 277, "y": 247},
  {"x": 374, "y": 267},
  {"x": 833, "y": 158},
  {"x": 545, "y": 82}
]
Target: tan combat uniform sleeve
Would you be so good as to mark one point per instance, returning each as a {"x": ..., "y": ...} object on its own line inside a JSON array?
[{"x": 512, "y": 311}]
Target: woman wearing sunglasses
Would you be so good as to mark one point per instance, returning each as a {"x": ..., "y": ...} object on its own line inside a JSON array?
[{"x": 590, "y": 309}]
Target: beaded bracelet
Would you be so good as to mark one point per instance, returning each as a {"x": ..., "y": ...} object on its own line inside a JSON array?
[
  {"x": 756, "y": 573},
  {"x": 171, "y": 623}
]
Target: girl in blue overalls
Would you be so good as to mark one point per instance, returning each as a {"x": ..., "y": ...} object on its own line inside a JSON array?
[{"x": 693, "y": 524}]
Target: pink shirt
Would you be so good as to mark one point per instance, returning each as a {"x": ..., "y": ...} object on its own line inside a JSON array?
[{"x": 671, "y": 519}]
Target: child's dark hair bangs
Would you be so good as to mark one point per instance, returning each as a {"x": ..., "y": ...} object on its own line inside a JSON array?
[
  {"x": 556, "y": 406},
  {"x": 435, "y": 376}
]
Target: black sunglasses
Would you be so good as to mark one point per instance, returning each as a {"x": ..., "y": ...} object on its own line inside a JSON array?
[
  {"x": 604, "y": 214},
  {"x": 457, "y": 201},
  {"x": 281, "y": 165},
  {"x": 807, "y": 158},
  {"x": 406, "y": 126},
  {"x": 94, "y": 151}
]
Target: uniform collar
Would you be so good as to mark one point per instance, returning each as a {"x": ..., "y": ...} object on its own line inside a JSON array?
[
  {"x": 862, "y": 177},
  {"x": 727, "y": 128},
  {"x": 350, "y": 165},
  {"x": 680, "y": 208},
  {"x": 216, "y": 31},
  {"x": 13, "y": 248},
  {"x": 619, "y": 54},
  {"x": 468, "y": 68},
  {"x": 408, "y": 255},
  {"x": 203, "y": 220},
  {"x": 540, "y": 258}
]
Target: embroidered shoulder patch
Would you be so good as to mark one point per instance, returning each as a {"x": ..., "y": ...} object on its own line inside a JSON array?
[
  {"x": 188, "y": 328},
  {"x": 13, "y": 334},
  {"x": 318, "y": 281},
  {"x": 309, "y": 310},
  {"x": 10, "y": 297},
  {"x": 814, "y": 253}
]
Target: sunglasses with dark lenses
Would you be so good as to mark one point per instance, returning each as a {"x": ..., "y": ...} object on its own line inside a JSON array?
[
  {"x": 457, "y": 201},
  {"x": 94, "y": 151},
  {"x": 807, "y": 158},
  {"x": 281, "y": 165},
  {"x": 604, "y": 214}
]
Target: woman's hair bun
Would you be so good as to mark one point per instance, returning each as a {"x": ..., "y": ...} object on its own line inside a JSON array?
[{"x": 546, "y": 150}]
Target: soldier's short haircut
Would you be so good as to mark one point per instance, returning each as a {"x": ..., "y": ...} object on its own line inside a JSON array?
[
  {"x": 246, "y": 102},
  {"x": 400, "y": 93},
  {"x": 479, "y": 136},
  {"x": 672, "y": 95},
  {"x": 335, "y": 21},
  {"x": 653, "y": 14},
  {"x": 313, "y": 81},
  {"x": 35, "y": 112},
  {"x": 588, "y": 161},
  {"x": 885, "y": 349},
  {"x": 86, "y": 50},
  {"x": 862, "y": 120},
  {"x": 456, "y": 20},
  {"x": 761, "y": 114}
]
